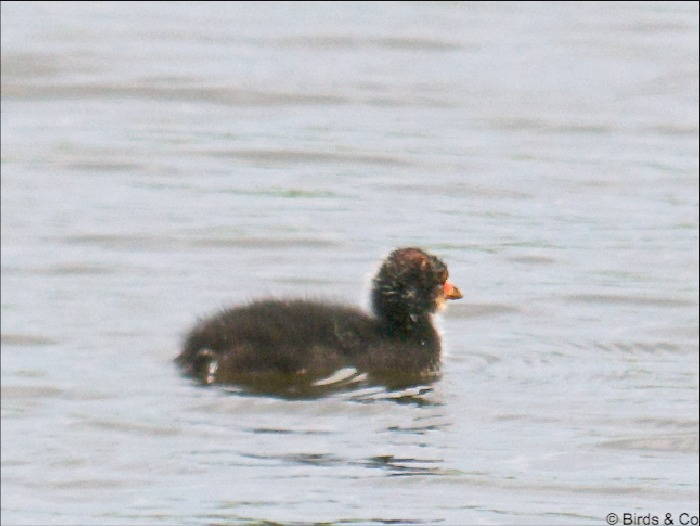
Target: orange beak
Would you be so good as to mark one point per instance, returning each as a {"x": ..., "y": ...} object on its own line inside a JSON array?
[{"x": 451, "y": 292}]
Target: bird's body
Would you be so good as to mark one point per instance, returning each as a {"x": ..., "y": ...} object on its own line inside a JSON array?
[{"x": 301, "y": 341}]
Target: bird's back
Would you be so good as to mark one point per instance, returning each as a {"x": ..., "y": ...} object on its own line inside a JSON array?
[{"x": 288, "y": 336}]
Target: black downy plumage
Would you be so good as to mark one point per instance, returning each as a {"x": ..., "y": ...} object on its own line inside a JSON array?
[{"x": 274, "y": 343}]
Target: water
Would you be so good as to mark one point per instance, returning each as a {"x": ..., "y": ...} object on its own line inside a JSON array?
[{"x": 160, "y": 161}]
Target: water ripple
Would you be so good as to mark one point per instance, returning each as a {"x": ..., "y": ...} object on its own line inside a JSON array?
[
  {"x": 309, "y": 157},
  {"x": 637, "y": 301},
  {"x": 25, "y": 340},
  {"x": 682, "y": 443}
]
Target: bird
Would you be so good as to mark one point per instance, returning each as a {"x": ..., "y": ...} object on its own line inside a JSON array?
[{"x": 294, "y": 344}]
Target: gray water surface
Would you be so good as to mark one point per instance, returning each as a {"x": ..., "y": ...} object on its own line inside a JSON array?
[{"x": 163, "y": 160}]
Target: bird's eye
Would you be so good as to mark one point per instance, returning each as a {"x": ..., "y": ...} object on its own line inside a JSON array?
[{"x": 442, "y": 276}]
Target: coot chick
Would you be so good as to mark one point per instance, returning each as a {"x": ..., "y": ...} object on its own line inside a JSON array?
[{"x": 275, "y": 344}]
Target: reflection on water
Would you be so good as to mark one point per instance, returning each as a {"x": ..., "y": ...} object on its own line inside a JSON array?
[{"x": 161, "y": 162}]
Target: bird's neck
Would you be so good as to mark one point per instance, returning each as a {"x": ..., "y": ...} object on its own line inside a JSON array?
[{"x": 410, "y": 328}]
